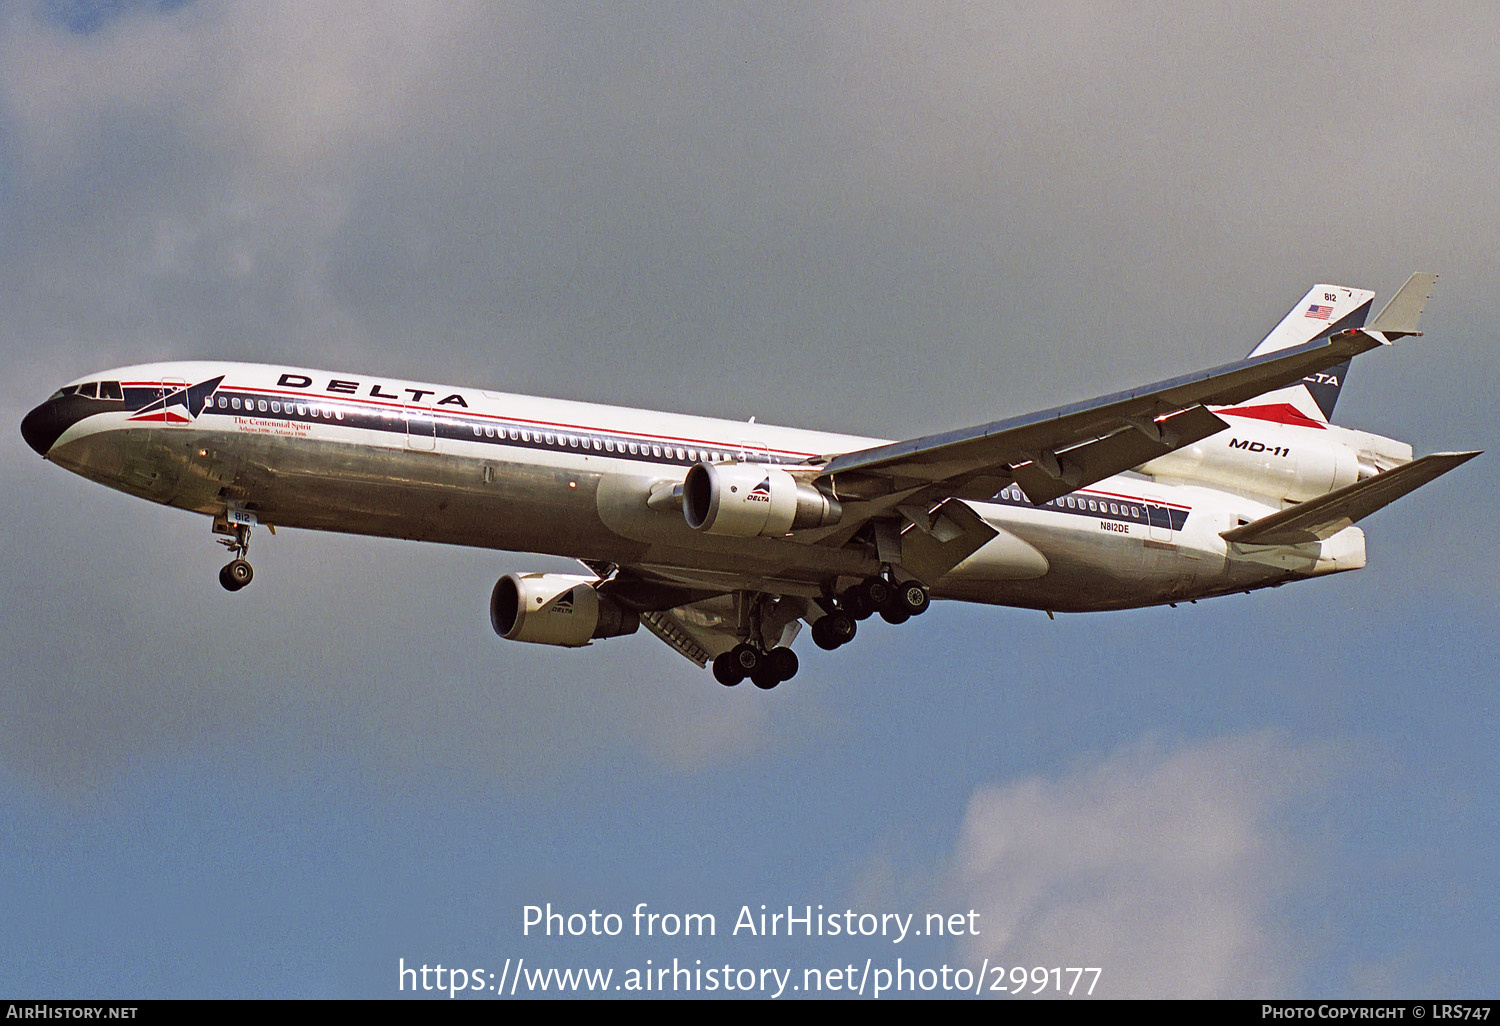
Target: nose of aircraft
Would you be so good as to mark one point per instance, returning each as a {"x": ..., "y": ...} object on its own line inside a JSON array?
[{"x": 45, "y": 424}]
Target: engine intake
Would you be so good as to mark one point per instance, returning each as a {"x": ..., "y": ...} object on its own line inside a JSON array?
[
  {"x": 556, "y": 609},
  {"x": 748, "y": 500}
]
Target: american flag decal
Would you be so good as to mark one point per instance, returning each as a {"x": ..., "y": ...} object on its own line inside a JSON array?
[{"x": 1319, "y": 312}]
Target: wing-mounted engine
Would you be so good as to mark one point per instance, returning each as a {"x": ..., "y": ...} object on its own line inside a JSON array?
[
  {"x": 556, "y": 609},
  {"x": 748, "y": 500}
]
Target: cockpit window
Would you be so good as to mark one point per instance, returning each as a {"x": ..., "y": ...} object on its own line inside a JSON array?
[
  {"x": 110, "y": 390},
  {"x": 90, "y": 390}
]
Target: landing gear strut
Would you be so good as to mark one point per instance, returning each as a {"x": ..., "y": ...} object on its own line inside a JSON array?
[{"x": 237, "y": 572}]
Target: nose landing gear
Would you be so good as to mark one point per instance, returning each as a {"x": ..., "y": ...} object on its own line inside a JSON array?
[{"x": 237, "y": 572}]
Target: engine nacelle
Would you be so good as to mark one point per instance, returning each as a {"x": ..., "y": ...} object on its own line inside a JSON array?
[
  {"x": 1264, "y": 460},
  {"x": 556, "y": 609},
  {"x": 748, "y": 500}
]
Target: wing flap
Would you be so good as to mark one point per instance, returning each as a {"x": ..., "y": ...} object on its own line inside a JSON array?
[
  {"x": 680, "y": 636},
  {"x": 1324, "y": 517},
  {"x": 938, "y": 541}
]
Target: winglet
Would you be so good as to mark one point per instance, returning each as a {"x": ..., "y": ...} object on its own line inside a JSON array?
[{"x": 1401, "y": 314}]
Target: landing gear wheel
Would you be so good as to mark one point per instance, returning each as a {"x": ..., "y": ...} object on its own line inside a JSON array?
[
  {"x": 745, "y": 658},
  {"x": 764, "y": 676},
  {"x": 914, "y": 598},
  {"x": 893, "y": 614},
  {"x": 833, "y": 630},
  {"x": 236, "y": 574},
  {"x": 857, "y": 602},
  {"x": 879, "y": 590},
  {"x": 783, "y": 661},
  {"x": 726, "y": 671}
]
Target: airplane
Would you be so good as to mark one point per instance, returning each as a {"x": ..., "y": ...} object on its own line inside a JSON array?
[{"x": 723, "y": 538}]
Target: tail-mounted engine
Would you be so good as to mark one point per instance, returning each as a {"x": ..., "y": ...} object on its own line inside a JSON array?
[
  {"x": 746, "y": 500},
  {"x": 556, "y": 609},
  {"x": 1293, "y": 464}
]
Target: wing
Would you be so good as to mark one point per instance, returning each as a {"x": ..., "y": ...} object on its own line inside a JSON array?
[{"x": 1055, "y": 451}]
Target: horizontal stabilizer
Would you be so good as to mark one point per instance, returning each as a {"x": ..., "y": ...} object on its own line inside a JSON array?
[
  {"x": 1403, "y": 313},
  {"x": 1324, "y": 517}
]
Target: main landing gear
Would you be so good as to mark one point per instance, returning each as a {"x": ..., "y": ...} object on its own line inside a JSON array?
[
  {"x": 765, "y": 669},
  {"x": 237, "y": 572},
  {"x": 895, "y": 601}
]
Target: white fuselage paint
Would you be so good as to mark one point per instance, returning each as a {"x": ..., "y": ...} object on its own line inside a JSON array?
[{"x": 377, "y": 456}]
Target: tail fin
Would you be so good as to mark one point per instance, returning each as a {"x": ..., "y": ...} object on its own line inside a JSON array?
[{"x": 1325, "y": 310}]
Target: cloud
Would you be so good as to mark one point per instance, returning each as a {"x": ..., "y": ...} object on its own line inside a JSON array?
[{"x": 1166, "y": 869}]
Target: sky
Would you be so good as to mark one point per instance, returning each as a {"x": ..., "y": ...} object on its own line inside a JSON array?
[{"x": 883, "y": 219}]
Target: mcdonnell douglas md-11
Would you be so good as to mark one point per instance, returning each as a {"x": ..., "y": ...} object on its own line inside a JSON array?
[{"x": 723, "y": 538}]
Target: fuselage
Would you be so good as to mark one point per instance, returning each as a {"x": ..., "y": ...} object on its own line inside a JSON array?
[{"x": 353, "y": 453}]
